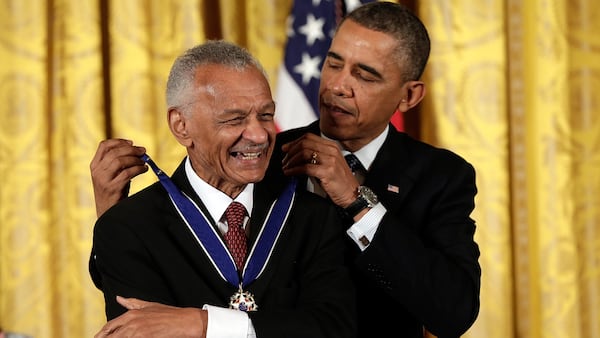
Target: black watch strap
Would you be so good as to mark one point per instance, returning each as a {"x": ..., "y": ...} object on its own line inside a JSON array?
[
  {"x": 357, "y": 206},
  {"x": 366, "y": 199}
]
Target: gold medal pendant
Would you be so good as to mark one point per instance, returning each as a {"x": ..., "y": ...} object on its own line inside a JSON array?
[{"x": 243, "y": 301}]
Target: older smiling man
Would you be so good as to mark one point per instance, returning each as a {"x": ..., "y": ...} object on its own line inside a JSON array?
[{"x": 240, "y": 256}]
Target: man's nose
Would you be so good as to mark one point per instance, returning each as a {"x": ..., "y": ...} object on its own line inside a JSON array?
[
  {"x": 341, "y": 85},
  {"x": 256, "y": 132}
]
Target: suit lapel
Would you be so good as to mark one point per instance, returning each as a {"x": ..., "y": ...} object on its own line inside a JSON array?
[
  {"x": 265, "y": 193},
  {"x": 186, "y": 240},
  {"x": 389, "y": 173}
]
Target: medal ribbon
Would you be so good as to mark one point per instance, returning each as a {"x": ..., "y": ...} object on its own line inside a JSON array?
[{"x": 210, "y": 241}]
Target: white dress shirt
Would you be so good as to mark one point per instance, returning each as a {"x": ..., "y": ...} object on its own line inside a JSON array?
[{"x": 222, "y": 322}]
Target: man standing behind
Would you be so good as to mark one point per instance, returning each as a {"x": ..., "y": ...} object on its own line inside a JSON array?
[
  {"x": 174, "y": 242},
  {"x": 406, "y": 204}
]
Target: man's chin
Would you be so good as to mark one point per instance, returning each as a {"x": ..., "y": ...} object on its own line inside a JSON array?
[
  {"x": 252, "y": 176},
  {"x": 336, "y": 124},
  {"x": 333, "y": 131}
]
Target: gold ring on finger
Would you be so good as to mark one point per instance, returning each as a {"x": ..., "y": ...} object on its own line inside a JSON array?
[{"x": 313, "y": 158}]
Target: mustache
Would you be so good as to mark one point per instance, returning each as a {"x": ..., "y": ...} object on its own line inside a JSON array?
[
  {"x": 332, "y": 103},
  {"x": 250, "y": 148}
]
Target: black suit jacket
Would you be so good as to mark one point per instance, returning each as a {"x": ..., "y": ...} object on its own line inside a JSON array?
[
  {"x": 421, "y": 268},
  {"x": 143, "y": 249}
]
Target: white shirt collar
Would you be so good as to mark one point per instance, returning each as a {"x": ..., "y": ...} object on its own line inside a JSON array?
[
  {"x": 367, "y": 154},
  {"x": 215, "y": 200}
]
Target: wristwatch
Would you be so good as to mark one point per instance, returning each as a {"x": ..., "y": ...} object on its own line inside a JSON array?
[{"x": 366, "y": 199}]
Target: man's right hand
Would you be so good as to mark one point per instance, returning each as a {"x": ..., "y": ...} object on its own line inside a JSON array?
[{"x": 115, "y": 163}]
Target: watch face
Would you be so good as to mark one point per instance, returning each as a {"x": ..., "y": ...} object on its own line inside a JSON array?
[
  {"x": 368, "y": 195},
  {"x": 366, "y": 199}
]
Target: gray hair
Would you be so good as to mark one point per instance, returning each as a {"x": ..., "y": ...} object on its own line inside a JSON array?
[
  {"x": 219, "y": 52},
  {"x": 403, "y": 25}
]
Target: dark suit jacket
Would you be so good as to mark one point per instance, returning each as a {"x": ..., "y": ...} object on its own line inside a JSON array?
[
  {"x": 143, "y": 249},
  {"x": 421, "y": 268}
]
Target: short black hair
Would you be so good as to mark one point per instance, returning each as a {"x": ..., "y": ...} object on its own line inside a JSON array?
[{"x": 404, "y": 26}]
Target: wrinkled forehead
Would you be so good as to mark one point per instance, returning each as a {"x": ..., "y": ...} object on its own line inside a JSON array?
[{"x": 222, "y": 85}]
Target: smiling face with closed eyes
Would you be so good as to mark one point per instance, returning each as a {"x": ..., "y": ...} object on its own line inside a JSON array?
[{"x": 228, "y": 126}]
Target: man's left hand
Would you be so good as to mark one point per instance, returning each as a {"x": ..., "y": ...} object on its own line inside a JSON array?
[
  {"x": 315, "y": 156},
  {"x": 148, "y": 319}
]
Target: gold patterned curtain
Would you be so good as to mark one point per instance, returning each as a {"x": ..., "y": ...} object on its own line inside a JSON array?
[{"x": 512, "y": 87}]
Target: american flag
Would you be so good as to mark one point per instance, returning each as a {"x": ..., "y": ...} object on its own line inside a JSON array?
[{"x": 310, "y": 27}]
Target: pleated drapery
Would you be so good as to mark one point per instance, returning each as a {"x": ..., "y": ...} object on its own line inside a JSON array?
[{"x": 513, "y": 88}]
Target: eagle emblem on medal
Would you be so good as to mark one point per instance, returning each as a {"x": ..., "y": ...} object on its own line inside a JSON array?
[{"x": 243, "y": 301}]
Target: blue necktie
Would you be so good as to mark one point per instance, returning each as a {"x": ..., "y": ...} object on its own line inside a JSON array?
[{"x": 354, "y": 164}]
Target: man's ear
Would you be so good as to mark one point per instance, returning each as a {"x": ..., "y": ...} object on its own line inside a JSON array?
[
  {"x": 177, "y": 124},
  {"x": 413, "y": 93}
]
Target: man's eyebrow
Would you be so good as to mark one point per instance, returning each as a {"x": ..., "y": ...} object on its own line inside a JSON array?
[
  {"x": 362, "y": 66},
  {"x": 334, "y": 55}
]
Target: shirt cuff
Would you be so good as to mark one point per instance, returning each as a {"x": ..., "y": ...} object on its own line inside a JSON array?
[
  {"x": 363, "y": 231},
  {"x": 228, "y": 323}
]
